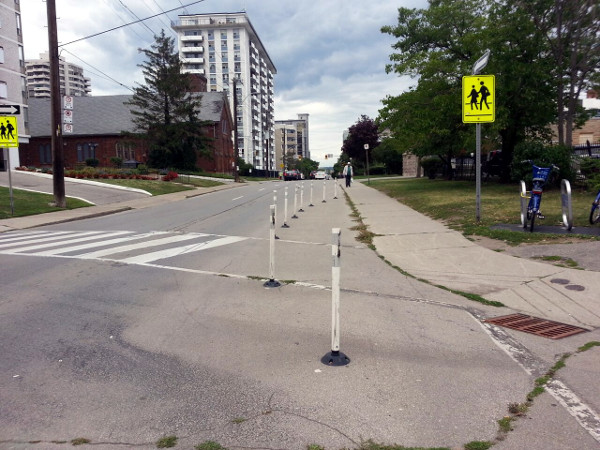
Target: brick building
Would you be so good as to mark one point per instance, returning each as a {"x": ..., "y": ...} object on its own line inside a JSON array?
[{"x": 98, "y": 126}]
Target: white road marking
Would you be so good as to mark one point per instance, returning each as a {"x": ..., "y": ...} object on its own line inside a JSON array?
[
  {"x": 83, "y": 237},
  {"x": 237, "y": 198},
  {"x": 169, "y": 253}
]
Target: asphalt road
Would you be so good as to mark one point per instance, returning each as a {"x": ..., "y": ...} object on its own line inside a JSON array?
[{"x": 126, "y": 328}]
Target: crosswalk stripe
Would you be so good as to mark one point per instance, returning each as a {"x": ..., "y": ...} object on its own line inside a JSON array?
[
  {"x": 82, "y": 237},
  {"x": 145, "y": 244},
  {"x": 168, "y": 253},
  {"x": 13, "y": 242},
  {"x": 90, "y": 245}
]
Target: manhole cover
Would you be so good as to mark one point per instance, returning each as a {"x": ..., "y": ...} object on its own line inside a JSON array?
[
  {"x": 559, "y": 281},
  {"x": 575, "y": 287},
  {"x": 537, "y": 326}
]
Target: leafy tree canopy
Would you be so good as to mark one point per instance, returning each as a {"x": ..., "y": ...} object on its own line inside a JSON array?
[{"x": 364, "y": 131}]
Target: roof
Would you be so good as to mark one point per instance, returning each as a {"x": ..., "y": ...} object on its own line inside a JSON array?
[{"x": 108, "y": 115}]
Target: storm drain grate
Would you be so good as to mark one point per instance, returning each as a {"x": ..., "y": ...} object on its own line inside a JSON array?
[{"x": 537, "y": 326}]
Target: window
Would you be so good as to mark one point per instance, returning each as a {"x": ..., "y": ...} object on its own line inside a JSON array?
[
  {"x": 3, "y": 90},
  {"x": 125, "y": 151},
  {"x": 18, "y": 19},
  {"x": 1, "y": 55},
  {"x": 86, "y": 151},
  {"x": 45, "y": 154}
]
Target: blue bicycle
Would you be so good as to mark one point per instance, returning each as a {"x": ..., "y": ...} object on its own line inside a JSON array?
[
  {"x": 595, "y": 212},
  {"x": 540, "y": 177}
]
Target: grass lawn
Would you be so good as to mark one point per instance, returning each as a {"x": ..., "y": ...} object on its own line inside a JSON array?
[
  {"x": 29, "y": 203},
  {"x": 453, "y": 202},
  {"x": 155, "y": 187}
]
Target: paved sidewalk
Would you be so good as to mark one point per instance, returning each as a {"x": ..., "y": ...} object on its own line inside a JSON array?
[{"x": 429, "y": 250}]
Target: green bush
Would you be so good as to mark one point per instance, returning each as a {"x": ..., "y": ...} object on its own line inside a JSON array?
[
  {"x": 92, "y": 162},
  {"x": 432, "y": 166},
  {"x": 116, "y": 161},
  {"x": 543, "y": 156},
  {"x": 142, "y": 169},
  {"x": 590, "y": 169}
]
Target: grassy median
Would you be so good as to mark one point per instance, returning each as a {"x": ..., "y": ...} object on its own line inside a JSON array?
[{"x": 453, "y": 202}]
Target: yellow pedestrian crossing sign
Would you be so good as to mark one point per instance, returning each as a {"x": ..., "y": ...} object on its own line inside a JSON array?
[
  {"x": 478, "y": 98},
  {"x": 9, "y": 136}
]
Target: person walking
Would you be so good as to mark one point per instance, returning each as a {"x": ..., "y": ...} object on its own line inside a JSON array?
[{"x": 348, "y": 172}]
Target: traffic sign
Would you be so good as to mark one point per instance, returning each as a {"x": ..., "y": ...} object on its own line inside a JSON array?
[
  {"x": 478, "y": 98},
  {"x": 10, "y": 109},
  {"x": 9, "y": 136}
]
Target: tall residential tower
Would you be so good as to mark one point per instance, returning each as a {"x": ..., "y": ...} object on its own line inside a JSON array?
[
  {"x": 72, "y": 80},
  {"x": 226, "y": 49}
]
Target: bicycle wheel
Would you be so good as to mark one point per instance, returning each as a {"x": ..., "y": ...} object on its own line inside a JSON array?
[
  {"x": 595, "y": 214},
  {"x": 533, "y": 214}
]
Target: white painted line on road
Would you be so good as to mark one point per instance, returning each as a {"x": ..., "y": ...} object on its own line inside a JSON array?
[
  {"x": 169, "y": 253},
  {"x": 74, "y": 248},
  {"x": 12, "y": 237},
  {"x": 585, "y": 416},
  {"x": 60, "y": 240},
  {"x": 145, "y": 244},
  {"x": 237, "y": 198}
]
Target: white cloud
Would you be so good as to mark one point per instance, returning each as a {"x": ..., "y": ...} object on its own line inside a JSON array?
[{"x": 330, "y": 55}]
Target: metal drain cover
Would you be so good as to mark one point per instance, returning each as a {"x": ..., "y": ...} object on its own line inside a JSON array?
[{"x": 537, "y": 326}]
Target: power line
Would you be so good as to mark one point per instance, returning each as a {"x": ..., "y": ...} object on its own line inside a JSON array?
[
  {"x": 135, "y": 15},
  {"x": 131, "y": 23},
  {"x": 95, "y": 68}
]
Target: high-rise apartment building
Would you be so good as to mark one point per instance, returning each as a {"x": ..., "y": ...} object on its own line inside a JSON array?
[
  {"x": 291, "y": 140},
  {"x": 72, "y": 80},
  {"x": 12, "y": 74},
  {"x": 226, "y": 49}
]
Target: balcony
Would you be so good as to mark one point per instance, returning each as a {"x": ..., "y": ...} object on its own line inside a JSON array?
[
  {"x": 194, "y": 49},
  {"x": 198, "y": 71},
  {"x": 191, "y": 38},
  {"x": 192, "y": 60}
]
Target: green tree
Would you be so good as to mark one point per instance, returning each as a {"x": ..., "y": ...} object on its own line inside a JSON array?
[
  {"x": 165, "y": 112},
  {"x": 439, "y": 45},
  {"x": 363, "y": 132},
  {"x": 306, "y": 166}
]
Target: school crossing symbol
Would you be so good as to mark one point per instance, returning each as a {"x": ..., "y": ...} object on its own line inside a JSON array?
[
  {"x": 478, "y": 98},
  {"x": 9, "y": 136}
]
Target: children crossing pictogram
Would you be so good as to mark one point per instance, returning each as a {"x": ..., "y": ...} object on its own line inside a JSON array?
[{"x": 478, "y": 94}]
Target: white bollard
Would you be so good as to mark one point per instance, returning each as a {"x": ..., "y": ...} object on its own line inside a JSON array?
[
  {"x": 324, "y": 190},
  {"x": 335, "y": 357},
  {"x": 311, "y": 192},
  {"x": 301, "y": 197},
  {"x": 285, "y": 212},
  {"x": 335, "y": 189},
  {"x": 295, "y": 202},
  {"x": 272, "y": 281}
]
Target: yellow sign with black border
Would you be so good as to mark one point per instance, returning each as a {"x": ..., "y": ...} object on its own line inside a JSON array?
[
  {"x": 478, "y": 98},
  {"x": 9, "y": 135}
]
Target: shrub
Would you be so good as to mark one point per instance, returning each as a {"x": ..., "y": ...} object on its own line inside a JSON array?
[
  {"x": 431, "y": 166},
  {"x": 544, "y": 156},
  {"x": 92, "y": 162},
  {"x": 142, "y": 169},
  {"x": 116, "y": 161},
  {"x": 170, "y": 176}
]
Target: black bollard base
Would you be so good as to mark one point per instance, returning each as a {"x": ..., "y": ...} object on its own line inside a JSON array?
[
  {"x": 334, "y": 358},
  {"x": 311, "y": 205},
  {"x": 294, "y": 216},
  {"x": 300, "y": 210},
  {"x": 272, "y": 284},
  {"x": 285, "y": 225},
  {"x": 324, "y": 201}
]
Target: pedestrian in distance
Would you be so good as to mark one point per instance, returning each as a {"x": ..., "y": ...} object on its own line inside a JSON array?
[{"x": 348, "y": 172}]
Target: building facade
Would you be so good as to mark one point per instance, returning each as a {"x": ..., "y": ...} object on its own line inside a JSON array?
[
  {"x": 99, "y": 124},
  {"x": 13, "y": 89},
  {"x": 226, "y": 49},
  {"x": 291, "y": 140},
  {"x": 72, "y": 80}
]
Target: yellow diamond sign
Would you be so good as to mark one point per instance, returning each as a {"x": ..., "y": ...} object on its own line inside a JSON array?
[
  {"x": 9, "y": 137},
  {"x": 478, "y": 98}
]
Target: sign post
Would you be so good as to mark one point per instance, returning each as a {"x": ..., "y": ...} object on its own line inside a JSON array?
[
  {"x": 9, "y": 137},
  {"x": 478, "y": 106}
]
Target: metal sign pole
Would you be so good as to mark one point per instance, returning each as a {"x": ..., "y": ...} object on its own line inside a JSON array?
[
  {"x": 10, "y": 189},
  {"x": 478, "y": 172}
]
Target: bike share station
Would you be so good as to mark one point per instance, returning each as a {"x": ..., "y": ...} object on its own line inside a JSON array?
[{"x": 530, "y": 200}]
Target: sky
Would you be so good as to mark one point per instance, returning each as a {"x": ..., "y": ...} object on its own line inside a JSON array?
[{"x": 330, "y": 55}]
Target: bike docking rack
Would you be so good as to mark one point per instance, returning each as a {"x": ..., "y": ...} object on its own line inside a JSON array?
[
  {"x": 335, "y": 357},
  {"x": 565, "y": 199},
  {"x": 566, "y": 203}
]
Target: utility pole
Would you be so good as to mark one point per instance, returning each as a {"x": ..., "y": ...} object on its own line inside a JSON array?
[
  {"x": 235, "y": 130},
  {"x": 58, "y": 166}
]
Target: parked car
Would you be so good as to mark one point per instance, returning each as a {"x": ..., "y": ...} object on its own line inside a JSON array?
[
  {"x": 291, "y": 174},
  {"x": 321, "y": 175}
]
